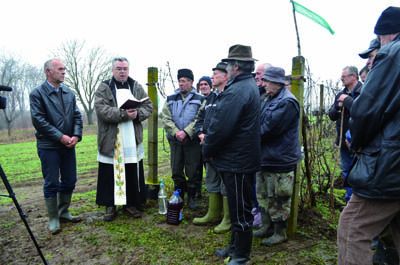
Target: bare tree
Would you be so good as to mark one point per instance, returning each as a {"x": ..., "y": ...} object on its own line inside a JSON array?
[
  {"x": 21, "y": 77},
  {"x": 86, "y": 68}
]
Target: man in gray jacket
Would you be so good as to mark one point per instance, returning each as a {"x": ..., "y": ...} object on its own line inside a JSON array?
[
  {"x": 58, "y": 125},
  {"x": 120, "y": 142}
]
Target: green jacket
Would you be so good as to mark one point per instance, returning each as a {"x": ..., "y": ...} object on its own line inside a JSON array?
[{"x": 109, "y": 115}]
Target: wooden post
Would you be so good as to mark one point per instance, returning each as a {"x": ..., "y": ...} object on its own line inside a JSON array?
[
  {"x": 298, "y": 65},
  {"x": 152, "y": 177},
  {"x": 321, "y": 105}
]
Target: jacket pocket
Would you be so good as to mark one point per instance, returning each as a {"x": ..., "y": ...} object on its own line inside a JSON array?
[{"x": 363, "y": 172}]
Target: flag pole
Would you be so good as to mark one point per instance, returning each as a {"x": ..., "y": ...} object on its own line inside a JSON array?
[{"x": 297, "y": 30}]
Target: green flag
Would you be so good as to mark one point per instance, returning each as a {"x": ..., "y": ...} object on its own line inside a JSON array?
[{"x": 312, "y": 15}]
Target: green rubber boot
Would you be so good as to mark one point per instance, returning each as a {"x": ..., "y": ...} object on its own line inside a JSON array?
[
  {"x": 52, "y": 209},
  {"x": 64, "y": 201},
  {"x": 214, "y": 210},
  {"x": 225, "y": 225}
]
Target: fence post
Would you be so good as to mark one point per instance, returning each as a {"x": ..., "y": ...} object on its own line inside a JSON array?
[
  {"x": 152, "y": 177},
  {"x": 298, "y": 66}
]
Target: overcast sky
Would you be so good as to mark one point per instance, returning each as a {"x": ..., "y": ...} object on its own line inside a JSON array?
[{"x": 192, "y": 34}]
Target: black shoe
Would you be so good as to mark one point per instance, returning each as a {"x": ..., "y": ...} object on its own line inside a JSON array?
[
  {"x": 132, "y": 211},
  {"x": 224, "y": 252},
  {"x": 111, "y": 213}
]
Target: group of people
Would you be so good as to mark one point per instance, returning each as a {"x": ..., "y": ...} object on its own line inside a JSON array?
[
  {"x": 58, "y": 123},
  {"x": 245, "y": 129},
  {"x": 367, "y": 120},
  {"x": 241, "y": 126}
]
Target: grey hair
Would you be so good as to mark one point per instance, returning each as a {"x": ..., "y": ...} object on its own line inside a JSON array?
[
  {"x": 352, "y": 70},
  {"x": 244, "y": 66},
  {"x": 48, "y": 64},
  {"x": 119, "y": 59}
]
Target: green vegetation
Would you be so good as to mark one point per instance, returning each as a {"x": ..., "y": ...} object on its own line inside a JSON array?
[{"x": 21, "y": 162}]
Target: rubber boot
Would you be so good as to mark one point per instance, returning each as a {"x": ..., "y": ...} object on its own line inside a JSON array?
[
  {"x": 214, "y": 210},
  {"x": 52, "y": 210},
  {"x": 64, "y": 201},
  {"x": 279, "y": 235},
  {"x": 225, "y": 225},
  {"x": 265, "y": 229},
  {"x": 192, "y": 198},
  {"x": 228, "y": 250},
  {"x": 241, "y": 254}
]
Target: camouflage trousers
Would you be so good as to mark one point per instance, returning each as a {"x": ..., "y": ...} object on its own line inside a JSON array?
[{"x": 274, "y": 193}]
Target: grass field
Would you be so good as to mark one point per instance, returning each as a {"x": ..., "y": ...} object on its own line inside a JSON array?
[
  {"x": 21, "y": 162},
  {"x": 125, "y": 240}
]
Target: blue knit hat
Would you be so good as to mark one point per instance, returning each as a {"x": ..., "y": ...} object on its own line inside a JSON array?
[{"x": 207, "y": 79}]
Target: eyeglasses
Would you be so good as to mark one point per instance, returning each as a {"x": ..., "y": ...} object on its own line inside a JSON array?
[{"x": 344, "y": 76}]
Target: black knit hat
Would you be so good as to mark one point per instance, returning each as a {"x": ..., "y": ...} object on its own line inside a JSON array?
[
  {"x": 388, "y": 22},
  {"x": 185, "y": 73}
]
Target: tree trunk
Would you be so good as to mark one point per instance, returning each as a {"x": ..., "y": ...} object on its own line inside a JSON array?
[{"x": 89, "y": 115}]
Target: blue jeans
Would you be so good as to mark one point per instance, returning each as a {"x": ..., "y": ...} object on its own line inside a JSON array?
[
  {"x": 346, "y": 161},
  {"x": 59, "y": 171}
]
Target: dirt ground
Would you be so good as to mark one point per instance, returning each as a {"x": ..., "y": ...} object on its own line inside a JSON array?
[{"x": 313, "y": 244}]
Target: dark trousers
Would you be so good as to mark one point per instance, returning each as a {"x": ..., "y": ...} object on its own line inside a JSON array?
[
  {"x": 135, "y": 185},
  {"x": 239, "y": 189},
  {"x": 59, "y": 170},
  {"x": 185, "y": 160}
]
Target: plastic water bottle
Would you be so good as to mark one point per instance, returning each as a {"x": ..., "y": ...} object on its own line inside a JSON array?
[
  {"x": 175, "y": 209},
  {"x": 162, "y": 199}
]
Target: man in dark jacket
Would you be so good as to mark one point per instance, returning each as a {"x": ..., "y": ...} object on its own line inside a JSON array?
[
  {"x": 58, "y": 125},
  {"x": 280, "y": 152},
  {"x": 340, "y": 113},
  {"x": 232, "y": 144},
  {"x": 375, "y": 177},
  {"x": 214, "y": 184}
]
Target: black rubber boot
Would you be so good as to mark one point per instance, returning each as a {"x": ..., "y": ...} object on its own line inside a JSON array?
[
  {"x": 241, "y": 253},
  {"x": 192, "y": 202},
  {"x": 228, "y": 250}
]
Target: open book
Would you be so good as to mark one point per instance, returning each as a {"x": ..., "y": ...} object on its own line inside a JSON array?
[{"x": 133, "y": 103}]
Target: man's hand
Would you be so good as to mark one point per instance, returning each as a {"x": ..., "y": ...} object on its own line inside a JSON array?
[
  {"x": 180, "y": 136},
  {"x": 73, "y": 142},
  {"x": 65, "y": 140},
  {"x": 341, "y": 99},
  {"x": 132, "y": 113},
  {"x": 201, "y": 137}
]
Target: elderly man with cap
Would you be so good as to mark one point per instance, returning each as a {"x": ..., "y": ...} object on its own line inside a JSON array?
[
  {"x": 371, "y": 52},
  {"x": 375, "y": 176},
  {"x": 215, "y": 187},
  {"x": 179, "y": 117},
  {"x": 280, "y": 153},
  {"x": 232, "y": 144}
]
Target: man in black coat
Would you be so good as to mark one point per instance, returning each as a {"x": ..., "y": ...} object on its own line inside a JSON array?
[
  {"x": 233, "y": 146},
  {"x": 58, "y": 123},
  {"x": 375, "y": 130}
]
